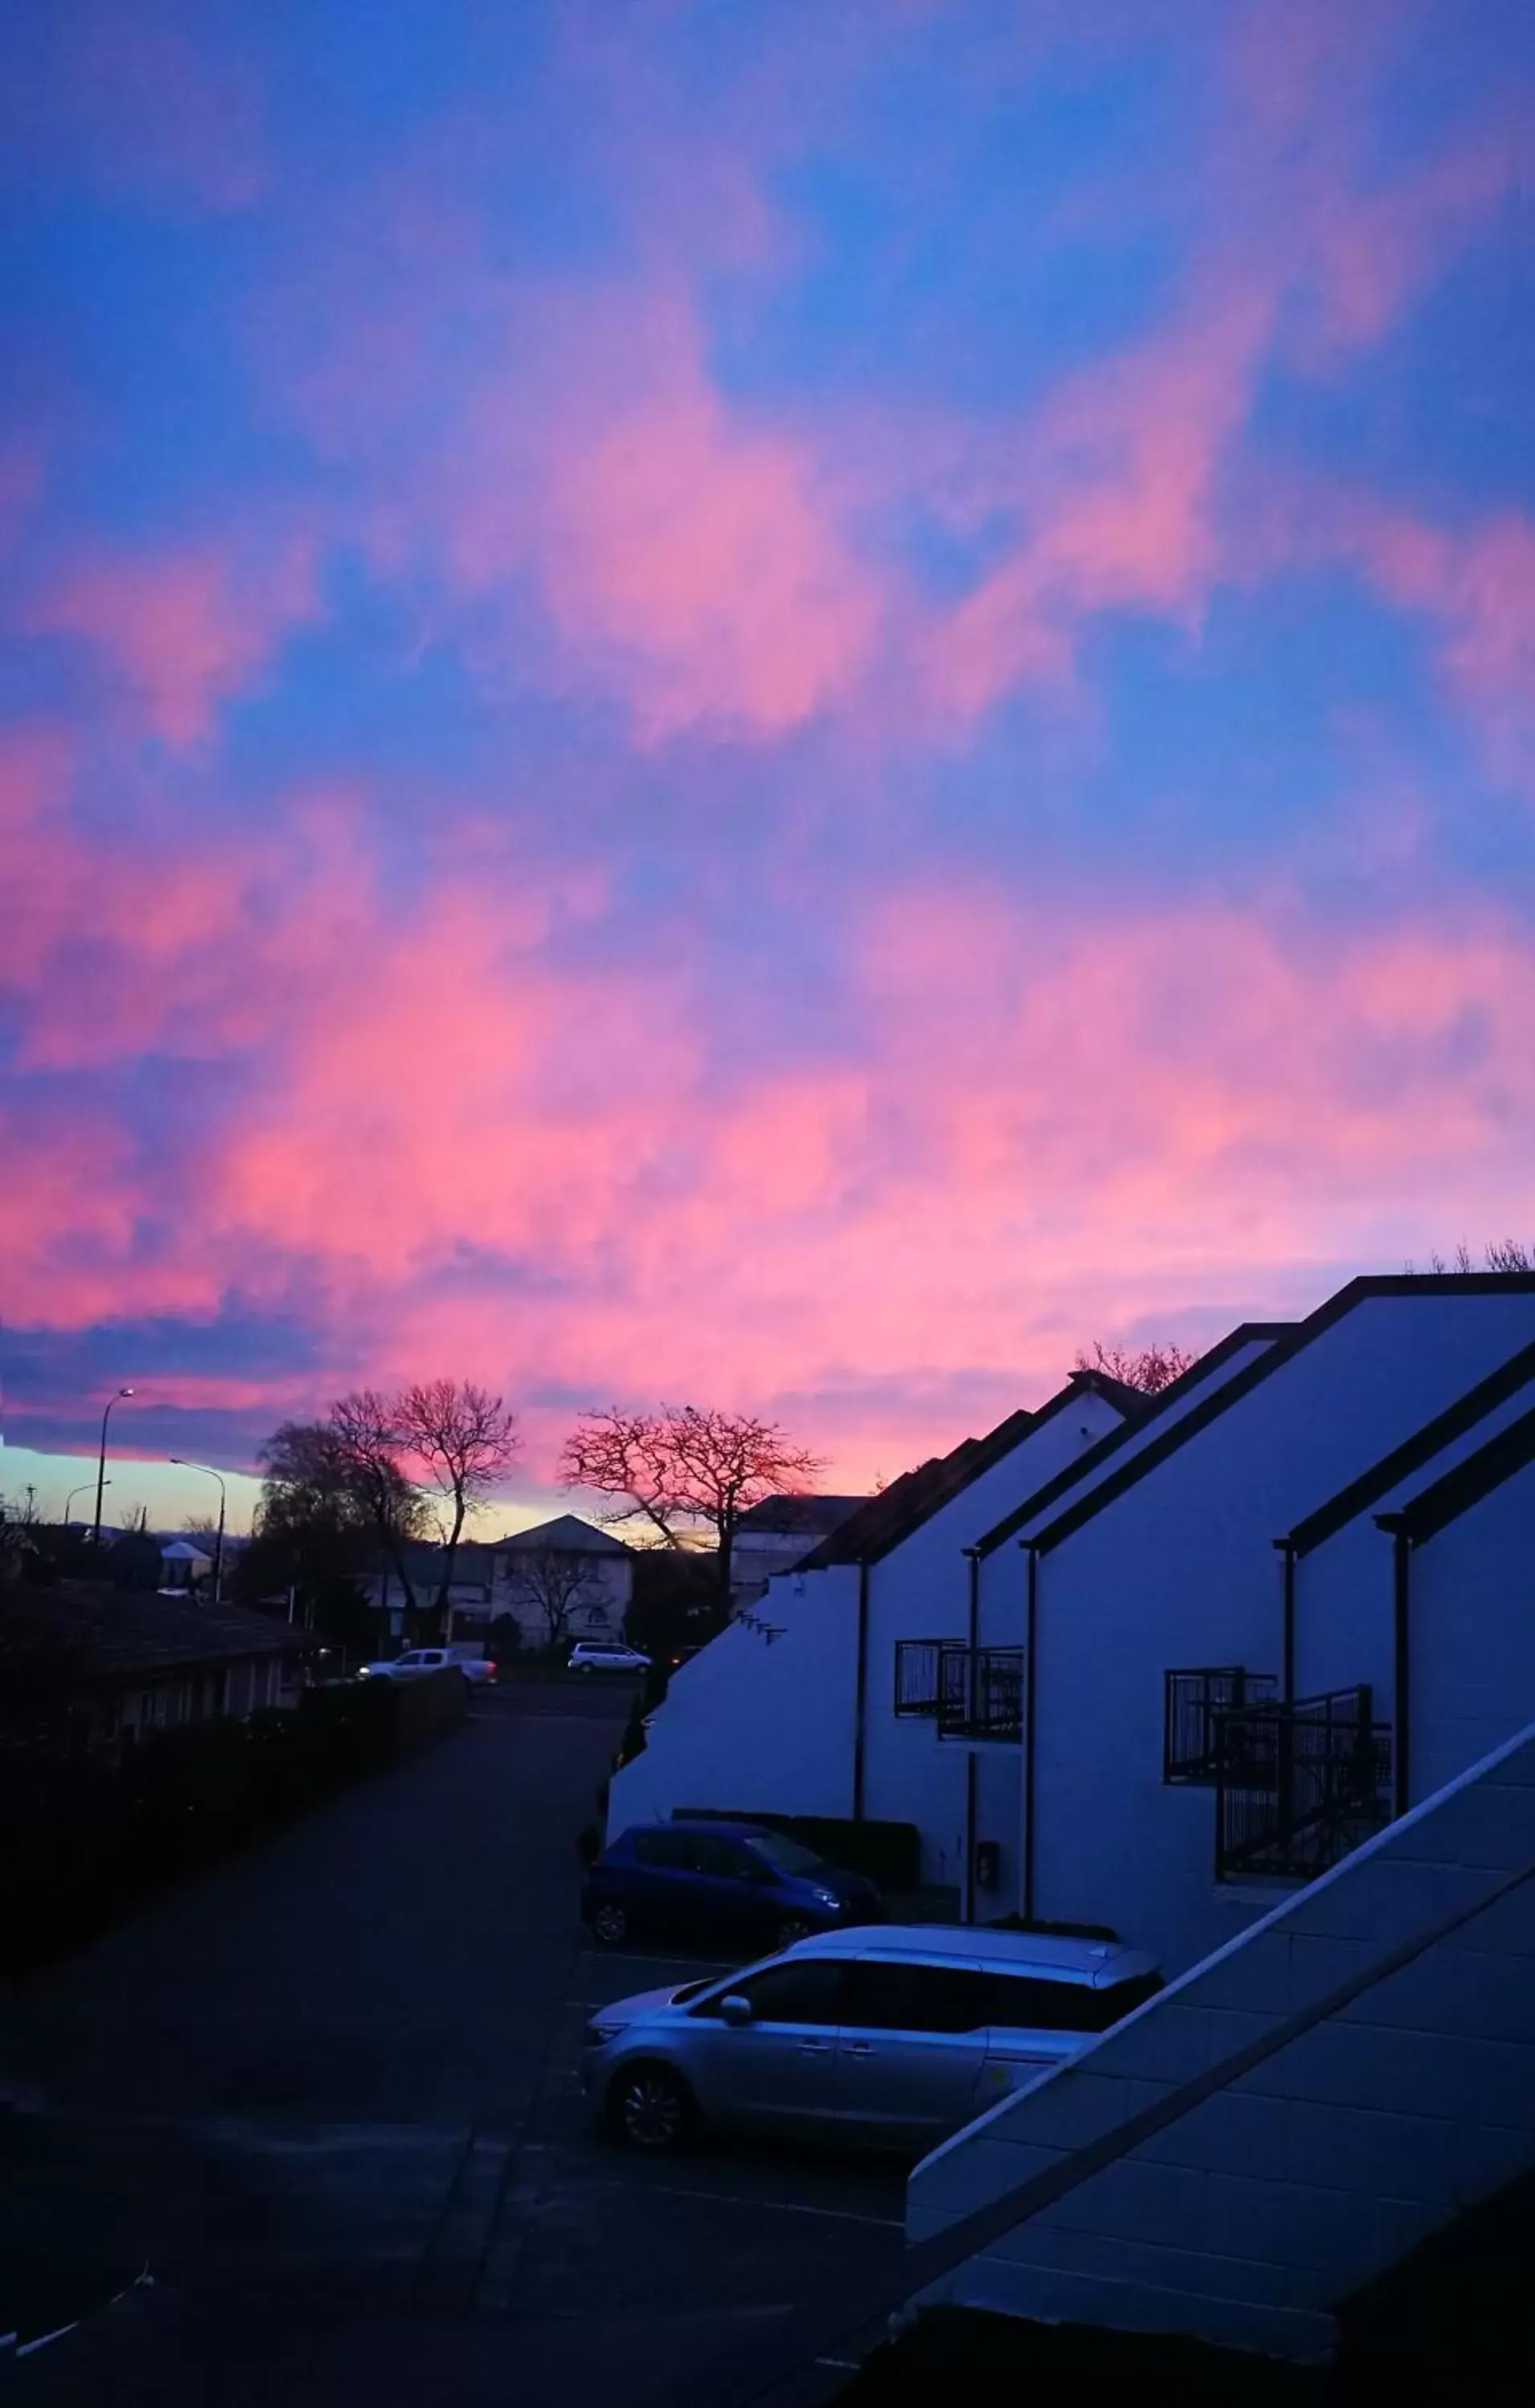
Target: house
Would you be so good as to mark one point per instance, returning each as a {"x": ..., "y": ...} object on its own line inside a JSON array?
[
  {"x": 564, "y": 1579},
  {"x": 773, "y": 1536},
  {"x": 470, "y": 1594},
  {"x": 183, "y": 1568},
  {"x": 794, "y": 1709},
  {"x": 140, "y": 1662},
  {"x": 1155, "y": 1599}
]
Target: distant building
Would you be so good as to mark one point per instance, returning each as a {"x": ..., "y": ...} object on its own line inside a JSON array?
[
  {"x": 565, "y": 1574},
  {"x": 770, "y": 1538}
]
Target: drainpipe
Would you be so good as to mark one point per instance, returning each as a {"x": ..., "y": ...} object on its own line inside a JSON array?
[
  {"x": 1031, "y": 1658},
  {"x": 1401, "y": 1685},
  {"x": 972, "y": 1562},
  {"x": 1286, "y": 1548},
  {"x": 860, "y": 1694},
  {"x": 969, "y": 1835}
]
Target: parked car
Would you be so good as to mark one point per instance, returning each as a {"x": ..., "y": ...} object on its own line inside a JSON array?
[
  {"x": 605, "y": 1655},
  {"x": 888, "y": 2038},
  {"x": 735, "y": 1885},
  {"x": 476, "y": 1670}
]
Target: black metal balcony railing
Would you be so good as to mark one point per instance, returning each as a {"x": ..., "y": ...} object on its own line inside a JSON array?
[
  {"x": 969, "y": 1693},
  {"x": 1298, "y": 1786},
  {"x": 917, "y": 1675},
  {"x": 1191, "y": 1704},
  {"x": 980, "y": 1693}
]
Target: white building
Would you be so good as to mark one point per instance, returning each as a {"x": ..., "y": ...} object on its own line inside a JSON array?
[
  {"x": 1152, "y": 1591},
  {"x": 794, "y": 1708},
  {"x": 564, "y": 1579}
]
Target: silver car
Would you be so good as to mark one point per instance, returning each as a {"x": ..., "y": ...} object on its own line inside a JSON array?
[{"x": 890, "y": 2036}]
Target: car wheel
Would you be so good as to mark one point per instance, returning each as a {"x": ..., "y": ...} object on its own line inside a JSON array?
[
  {"x": 586, "y": 1670},
  {"x": 611, "y": 1924},
  {"x": 651, "y": 2109},
  {"x": 792, "y": 1928}
]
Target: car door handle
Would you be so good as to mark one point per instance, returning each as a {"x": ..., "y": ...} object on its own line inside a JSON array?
[
  {"x": 815, "y": 2048},
  {"x": 860, "y": 2048}
]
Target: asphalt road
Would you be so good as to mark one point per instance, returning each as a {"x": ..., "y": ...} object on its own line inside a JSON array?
[{"x": 327, "y": 2097}]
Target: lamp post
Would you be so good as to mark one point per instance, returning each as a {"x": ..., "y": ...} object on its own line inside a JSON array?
[
  {"x": 78, "y": 1491},
  {"x": 101, "y": 1466},
  {"x": 218, "y": 1544}
]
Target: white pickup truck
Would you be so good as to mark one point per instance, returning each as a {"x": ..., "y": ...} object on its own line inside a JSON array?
[{"x": 476, "y": 1670}]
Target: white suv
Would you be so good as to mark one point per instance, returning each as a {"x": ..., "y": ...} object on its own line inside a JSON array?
[{"x": 605, "y": 1655}]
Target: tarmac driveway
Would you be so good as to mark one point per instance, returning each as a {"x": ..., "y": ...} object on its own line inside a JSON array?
[{"x": 327, "y": 2095}]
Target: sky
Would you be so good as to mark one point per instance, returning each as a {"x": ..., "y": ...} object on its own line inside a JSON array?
[{"x": 749, "y": 702}]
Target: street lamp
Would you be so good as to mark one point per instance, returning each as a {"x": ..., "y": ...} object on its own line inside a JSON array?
[
  {"x": 78, "y": 1491},
  {"x": 218, "y": 1543},
  {"x": 101, "y": 1466}
]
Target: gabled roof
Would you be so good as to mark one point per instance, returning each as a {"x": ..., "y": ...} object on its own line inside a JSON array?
[
  {"x": 891, "y": 1517},
  {"x": 124, "y": 1634},
  {"x": 1455, "y": 1491},
  {"x": 818, "y": 1517},
  {"x": 1327, "y": 1316},
  {"x": 1146, "y": 1409},
  {"x": 566, "y": 1535},
  {"x": 1421, "y": 1448}
]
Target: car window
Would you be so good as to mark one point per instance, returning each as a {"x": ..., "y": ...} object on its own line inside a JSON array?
[
  {"x": 671, "y": 1849},
  {"x": 887, "y": 1997},
  {"x": 785, "y": 1855},
  {"x": 809, "y": 1991},
  {"x": 1028, "y": 2002},
  {"x": 724, "y": 1858}
]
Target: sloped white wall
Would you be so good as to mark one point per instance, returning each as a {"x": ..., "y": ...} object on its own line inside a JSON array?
[
  {"x": 1247, "y": 2221},
  {"x": 748, "y": 1724},
  {"x": 1471, "y": 1631}
]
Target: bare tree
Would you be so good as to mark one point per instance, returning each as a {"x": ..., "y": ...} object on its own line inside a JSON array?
[
  {"x": 1151, "y": 1369},
  {"x": 465, "y": 1438},
  {"x": 1498, "y": 1254},
  {"x": 367, "y": 1436},
  {"x": 554, "y": 1580},
  {"x": 687, "y": 1470}
]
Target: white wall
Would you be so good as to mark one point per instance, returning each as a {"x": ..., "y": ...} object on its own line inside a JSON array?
[
  {"x": 1002, "y": 1575},
  {"x": 921, "y": 1590},
  {"x": 1248, "y": 2220},
  {"x": 1181, "y": 1572},
  {"x": 1471, "y": 1632},
  {"x": 746, "y": 1724},
  {"x": 1344, "y": 1589}
]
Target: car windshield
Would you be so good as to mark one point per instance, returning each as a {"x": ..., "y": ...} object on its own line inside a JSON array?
[{"x": 785, "y": 1855}]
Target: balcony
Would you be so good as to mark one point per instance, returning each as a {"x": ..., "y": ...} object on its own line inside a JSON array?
[
  {"x": 917, "y": 1676},
  {"x": 969, "y": 1694},
  {"x": 1192, "y": 1701},
  {"x": 1298, "y": 1786},
  {"x": 980, "y": 1693}
]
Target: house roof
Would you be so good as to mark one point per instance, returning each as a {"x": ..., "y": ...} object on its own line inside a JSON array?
[
  {"x": 883, "y": 1522},
  {"x": 817, "y": 1516},
  {"x": 123, "y": 1634},
  {"x": 1456, "y": 1490},
  {"x": 1147, "y": 1410},
  {"x": 566, "y": 1535},
  {"x": 1431, "y": 1440},
  {"x": 1358, "y": 1291}
]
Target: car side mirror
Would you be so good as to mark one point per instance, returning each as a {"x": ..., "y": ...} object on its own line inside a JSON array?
[{"x": 735, "y": 2010}]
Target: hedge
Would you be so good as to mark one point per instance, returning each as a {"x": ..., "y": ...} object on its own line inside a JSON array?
[{"x": 85, "y": 1842}]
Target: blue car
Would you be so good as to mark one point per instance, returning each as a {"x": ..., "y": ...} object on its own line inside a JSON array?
[{"x": 734, "y": 1886}]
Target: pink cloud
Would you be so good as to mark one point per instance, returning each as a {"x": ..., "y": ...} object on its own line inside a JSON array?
[
  {"x": 183, "y": 631},
  {"x": 506, "y": 1164}
]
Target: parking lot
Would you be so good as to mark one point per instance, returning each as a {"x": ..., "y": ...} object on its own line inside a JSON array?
[{"x": 337, "y": 2080}]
